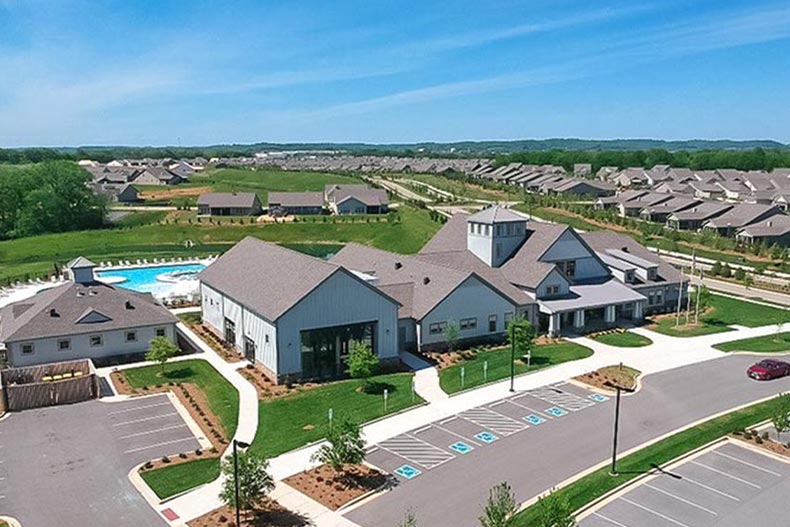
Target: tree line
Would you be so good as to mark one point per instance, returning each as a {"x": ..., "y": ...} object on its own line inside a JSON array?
[
  {"x": 53, "y": 196},
  {"x": 754, "y": 159}
]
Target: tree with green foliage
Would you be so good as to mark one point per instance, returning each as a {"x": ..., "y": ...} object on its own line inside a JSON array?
[
  {"x": 781, "y": 417},
  {"x": 521, "y": 334},
  {"x": 161, "y": 350},
  {"x": 255, "y": 482},
  {"x": 715, "y": 269},
  {"x": 362, "y": 363},
  {"x": 344, "y": 445},
  {"x": 726, "y": 271},
  {"x": 451, "y": 335},
  {"x": 748, "y": 281},
  {"x": 740, "y": 274},
  {"x": 500, "y": 507},
  {"x": 554, "y": 510}
]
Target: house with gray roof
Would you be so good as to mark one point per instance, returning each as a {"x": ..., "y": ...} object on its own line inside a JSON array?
[
  {"x": 693, "y": 218},
  {"x": 295, "y": 315},
  {"x": 295, "y": 203},
  {"x": 739, "y": 217},
  {"x": 157, "y": 175},
  {"x": 229, "y": 204},
  {"x": 82, "y": 319},
  {"x": 772, "y": 231},
  {"x": 661, "y": 211},
  {"x": 356, "y": 199}
]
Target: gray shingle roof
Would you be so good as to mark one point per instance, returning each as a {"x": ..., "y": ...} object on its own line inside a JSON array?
[
  {"x": 228, "y": 199},
  {"x": 773, "y": 226},
  {"x": 58, "y": 311},
  {"x": 296, "y": 199},
  {"x": 703, "y": 211},
  {"x": 603, "y": 241},
  {"x": 740, "y": 215},
  {"x": 496, "y": 214},
  {"x": 80, "y": 263}
]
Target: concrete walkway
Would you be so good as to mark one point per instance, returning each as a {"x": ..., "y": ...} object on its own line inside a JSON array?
[{"x": 426, "y": 378}]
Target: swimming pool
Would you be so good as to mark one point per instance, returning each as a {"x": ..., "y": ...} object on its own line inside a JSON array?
[{"x": 160, "y": 280}]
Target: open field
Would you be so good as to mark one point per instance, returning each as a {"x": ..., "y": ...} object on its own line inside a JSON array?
[
  {"x": 38, "y": 254},
  {"x": 499, "y": 364}
]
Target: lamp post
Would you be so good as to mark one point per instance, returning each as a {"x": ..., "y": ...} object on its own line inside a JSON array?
[
  {"x": 236, "y": 445},
  {"x": 514, "y": 328},
  {"x": 618, "y": 388}
]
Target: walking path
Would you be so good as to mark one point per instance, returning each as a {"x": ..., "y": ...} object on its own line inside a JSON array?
[{"x": 664, "y": 353}]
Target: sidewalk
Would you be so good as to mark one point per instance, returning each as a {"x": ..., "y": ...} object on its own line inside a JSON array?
[{"x": 426, "y": 378}]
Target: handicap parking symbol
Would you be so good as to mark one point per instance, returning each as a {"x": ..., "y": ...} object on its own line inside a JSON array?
[
  {"x": 407, "y": 472},
  {"x": 461, "y": 447},
  {"x": 598, "y": 398},
  {"x": 556, "y": 411},
  {"x": 534, "y": 419},
  {"x": 486, "y": 437}
]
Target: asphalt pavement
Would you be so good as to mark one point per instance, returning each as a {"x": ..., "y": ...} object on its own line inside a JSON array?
[{"x": 450, "y": 487}]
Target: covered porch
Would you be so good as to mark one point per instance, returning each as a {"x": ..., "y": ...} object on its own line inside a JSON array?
[{"x": 591, "y": 307}]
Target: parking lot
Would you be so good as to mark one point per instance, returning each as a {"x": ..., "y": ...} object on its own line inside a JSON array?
[
  {"x": 408, "y": 455},
  {"x": 69, "y": 465},
  {"x": 729, "y": 485}
]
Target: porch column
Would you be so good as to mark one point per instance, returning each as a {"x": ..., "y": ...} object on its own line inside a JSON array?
[
  {"x": 639, "y": 310},
  {"x": 578, "y": 319},
  {"x": 554, "y": 325},
  {"x": 609, "y": 314}
]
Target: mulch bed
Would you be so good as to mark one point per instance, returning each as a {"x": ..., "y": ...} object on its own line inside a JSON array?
[
  {"x": 763, "y": 441},
  {"x": 271, "y": 514},
  {"x": 335, "y": 489},
  {"x": 210, "y": 338},
  {"x": 266, "y": 388},
  {"x": 613, "y": 374}
]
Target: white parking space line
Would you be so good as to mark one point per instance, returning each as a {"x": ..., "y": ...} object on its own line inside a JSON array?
[
  {"x": 726, "y": 475},
  {"x": 525, "y": 407},
  {"x": 655, "y": 513},
  {"x": 190, "y": 438},
  {"x": 608, "y": 519},
  {"x": 416, "y": 450},
  {"x": 142, "y": 420},
  {"x": 459, "y": 436},
  {"x": 711, "y": 489},
  {"x": 557, "y": 397},
  {"x": 492, "y": 420},
  {"x": 166, "y": 428},
  {"x": 136, "y": 408},
  {"x": 682, "y": 500},
  {"x": 746, "y": 463}
]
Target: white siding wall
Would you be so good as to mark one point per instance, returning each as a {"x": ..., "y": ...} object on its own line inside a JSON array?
[
  {"x": 408, "y": 328},
  {"x": 553, "y": 278},
  {"x": 568, "y": 247},
  {"x": 211, "y": 304},
  {"x": 264, "y": 335},
  {"x": 340, "y": 300},
  {"x": 114, "y": 343},
  {"x": 472, "y": 299},
  {"x": 351, "y": 206}
]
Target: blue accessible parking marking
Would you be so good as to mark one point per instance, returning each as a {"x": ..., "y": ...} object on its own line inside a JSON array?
[
  {"x": 461, "y": 447},
  {"x": 556, "y": 411},
  {"x": 407, "y": 472},
  {"x": 486, "y": 437},
  {"x": 598, "y": 398},
  {"x": 534, "y": 419}
]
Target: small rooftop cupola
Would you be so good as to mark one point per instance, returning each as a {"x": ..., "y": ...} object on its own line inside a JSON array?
[
  {"x": 494, "y": 234},
  {"x": 80, "y": 271}
]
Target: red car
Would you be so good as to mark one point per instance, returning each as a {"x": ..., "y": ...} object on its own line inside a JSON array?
[{"x": 768, "y": 369}]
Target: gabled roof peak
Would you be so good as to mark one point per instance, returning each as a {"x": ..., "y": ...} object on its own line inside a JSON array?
[{"x": 496, "y": 214}]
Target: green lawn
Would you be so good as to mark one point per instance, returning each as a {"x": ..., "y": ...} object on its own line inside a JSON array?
[
  {"x": 595, "y": 485},
  {"x": 626, "y": 339},
  {"x": 37, "y": 254},
  {"x": 726, "y": 311},
  {"x": 499, "y": 364},
  {"x": 291, "y": 422},
  {"x": 774, "y": 343},
  {"x": 222, "y": 396},
  {"x": 458, "y": 188},
  {"x": 169, "y": 481}
]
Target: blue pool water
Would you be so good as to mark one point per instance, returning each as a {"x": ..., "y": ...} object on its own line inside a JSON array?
[{"x": 144, "y": 279}]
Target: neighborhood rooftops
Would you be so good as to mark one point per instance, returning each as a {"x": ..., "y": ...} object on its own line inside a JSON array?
[{"x": 741, "y": 215}]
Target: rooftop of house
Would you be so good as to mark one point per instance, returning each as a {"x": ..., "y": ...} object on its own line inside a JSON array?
[
  {"x": 741, "y": 215},
  {"x": 702, "y": 211},
  {"x": 296, "y": 199},
  {"x": 228, "y": 199},
  {"x": 496, "y": 214},
  {"x": 774, "y": 226}
]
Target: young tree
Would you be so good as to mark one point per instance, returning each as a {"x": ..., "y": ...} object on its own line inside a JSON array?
[
  {"x": 344, "y": 446},
  {"x": 500, "y": 507},
  {"x": 451, "y": 335},
  {"x": 716, "y": 268},
  {"x": 781, "y": 417},
  {"x": 521, "y": 334},
  {"x": 161, "y": 350},
  {"x": 362, "y": 363},
  {"x": 554, "y": 510},
  {"x": 748, "y": 281},
  {"x": 409, "y": 519},
  {"x": 255, "y": 482}
]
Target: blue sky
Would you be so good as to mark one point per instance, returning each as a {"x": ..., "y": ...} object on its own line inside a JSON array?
[{"x": 191, "y": 72}]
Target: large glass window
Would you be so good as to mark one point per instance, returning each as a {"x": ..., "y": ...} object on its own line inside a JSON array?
[
  {"x": 325, "y": 350},
  {"x": 230, "y": 331}
]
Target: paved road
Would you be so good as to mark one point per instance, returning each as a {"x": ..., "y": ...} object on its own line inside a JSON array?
[
  {"x": 68, "y": 465},
  {"x": 740, "y": 290},
  {"x": 536, "y": 458}
]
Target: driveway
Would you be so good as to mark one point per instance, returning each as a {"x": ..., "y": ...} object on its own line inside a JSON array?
[
  {"x": 68, "y": 465},
  {"x": 447, "y": 487}
]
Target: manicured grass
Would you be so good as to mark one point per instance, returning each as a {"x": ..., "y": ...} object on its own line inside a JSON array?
[
  {"x": 169, "y": 481},
  {"x": 595, "y": 485},
  {"x": 725, "y": 311},
  {"x": 222, "y": 396},
  {"x": 768, "y": 344},
  {"x": 137, "y": 218},
  {"x": 37, "y": 254},
  {"x": 499, "y": 364},
  {"x": 458, "y": 188},
  {"x": 288, "y": 423},
  {"x": 626, "y": 339}
]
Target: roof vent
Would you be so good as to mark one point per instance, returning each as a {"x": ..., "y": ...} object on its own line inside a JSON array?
[
  {"x": 93, "y": 292},
  {"x": 426, "y": 280},
  {"x": 770, "y": 223},
  {"x": 54, "y": 313},
  {"x": 80, "y": 294},
  {"x": 625, "y": 249},
  {"x": 129, "y": 305},
  {"x": 398, "y": 265}
]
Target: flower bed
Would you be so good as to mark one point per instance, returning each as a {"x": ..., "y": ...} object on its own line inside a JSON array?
[
  {"x": 618, "y": 375},
  {"x": 763, "y": 440},
  {"x": 335, "y": 489},
  {"x": 271, "y": 514}
]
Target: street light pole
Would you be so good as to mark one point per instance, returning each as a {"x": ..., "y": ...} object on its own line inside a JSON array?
[
  {"x": 237, "y": 444},
  {"x": 514, "y": 328},
  {"x": 613, "y": 469}
]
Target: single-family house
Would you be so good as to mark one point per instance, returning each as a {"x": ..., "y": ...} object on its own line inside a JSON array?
[
  {"x": 694, "y": 217},
  {"x": 356, "y": 199},
  {"x": 229, "y": 204},
  {"x": 772, "y": 231},
  {"x": 295, "y": 203},
  {"x": 740, "y": 216},
  {"x": 661, "y": 211},
  {"x": 155, "y": 175}
]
